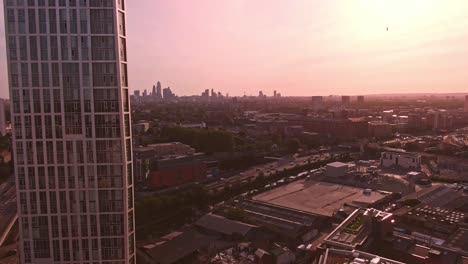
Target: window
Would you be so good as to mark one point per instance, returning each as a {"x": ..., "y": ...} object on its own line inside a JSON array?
[
  {"x": 84, "y": 49},
  {"x": 54, "y": 49},
  {"x": 51, "y": 177},
  {"x": 46, "y": 103},
  {"x": 14, "y": 75},
  {"x": 53, "y": 209},
  {"x": 73, "y": 21},
  {"x": 44, "y": 48},
  {"x": 45, "y": 75},
  {"x": 32, "y": 21},
  {"x": 107, "y": 126},
  {"x": 103, "y": 48},
  {"x": 74, "y": 48},
  {"x": 63, "y": 21},
  {"x": 102, "y": 21},
  {"x": 108, "y": 151},
  {"x": 35, "y": 75},
  {"x": 122, "y": 30},
  {"x": 11, "y": 21},
  {"x": 21, "y": 21},
  {"x": 23, "y": 48},
  {"x": 64, "y": 47},
  {"x": 52, "y": 21},
  {"x": 21, "y": 178},
  {"x": 84, "y": 21},
  {"x": 42, "y": 21},
  {"x": 104, "y": 74}
]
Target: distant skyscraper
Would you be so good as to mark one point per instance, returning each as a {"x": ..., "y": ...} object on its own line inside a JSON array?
[
  {"x": 72, "y": 139},
  {"x": 2, "y": 118},
  {"x": 153, "y": 92},
  {"x": 317, "y": 103},
  {"x": 159, "y": 91},
  {"x": 360, "y": 99},
  {"x": 466, "y": 103},
  {"x": 345, "y": 100},
  {"x": 274, "y": 93},
  {"x": 136, "y": 93}
]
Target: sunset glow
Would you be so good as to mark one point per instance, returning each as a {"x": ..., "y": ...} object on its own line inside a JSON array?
[{"x": 310, "y": 47}]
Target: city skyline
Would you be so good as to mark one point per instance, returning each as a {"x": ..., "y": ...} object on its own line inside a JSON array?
[{"x": 310, "y": 48}]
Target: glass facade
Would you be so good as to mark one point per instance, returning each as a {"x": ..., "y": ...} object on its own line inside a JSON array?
[{"x": 72, "y": 141}]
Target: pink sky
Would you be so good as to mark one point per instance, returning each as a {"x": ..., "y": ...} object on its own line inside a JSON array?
[{"x": 298, "y": 47}]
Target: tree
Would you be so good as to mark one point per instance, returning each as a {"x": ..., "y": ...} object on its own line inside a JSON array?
[
  {"x": 293, "y": 145},
  {"x": 236, "y": 214}
]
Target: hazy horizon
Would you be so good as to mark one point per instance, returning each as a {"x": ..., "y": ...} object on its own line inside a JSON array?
[{"x": 297, "y": 47}]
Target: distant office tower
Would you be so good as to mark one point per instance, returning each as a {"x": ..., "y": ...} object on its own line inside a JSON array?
[
  {"x": 67, "y": 65},
  {"x": 345, "y": 100},
  {"x": 2, "y": 118},
  {"x": 159, "y": 91},
  {"x": 260, "y": 94},
  {"x": 153, "y": 92},
  {"x": 136, "y": 93},
  {"x": 317, "y": 103},
  {"x": 466, "y": 103},
  {"x": 274, "y": 93},
  {"x": 360, "y": 99}
]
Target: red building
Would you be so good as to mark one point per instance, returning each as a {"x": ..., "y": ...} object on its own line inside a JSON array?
[
  {"x": 176, "y": 171},
  {"x": 343, "y": 129}
]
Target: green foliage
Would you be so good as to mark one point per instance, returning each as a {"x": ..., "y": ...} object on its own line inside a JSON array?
[
  {"x": 236, "y": 214},
  {"x": 5, "y": 142},
  {"x": 205, "y": 140},
  {"x": 158, "y": 214},
  {"x": 293, "y": 144}
]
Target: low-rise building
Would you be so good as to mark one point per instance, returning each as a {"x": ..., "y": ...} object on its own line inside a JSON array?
[
  {"x": 175, "y": 171},
  {"x": 404, "y": 160},
  {"x": 456, "y": 165},
  {"x": 141, "y": 162},
  {"x": 141, "y": 127},
  {"x": 355, "y": 230},
  {"x": 340, "y": 256},
  {"x": 336, "y": 169},
  {"x": 380, "y": 129},
  {"x": 172, "y": 148}
]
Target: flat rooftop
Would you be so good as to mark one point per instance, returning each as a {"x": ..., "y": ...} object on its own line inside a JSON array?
[{"x": 319, "y": 198}]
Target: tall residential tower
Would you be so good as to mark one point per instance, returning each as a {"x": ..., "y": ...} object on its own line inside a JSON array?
[{"x": 67, "y": 65}]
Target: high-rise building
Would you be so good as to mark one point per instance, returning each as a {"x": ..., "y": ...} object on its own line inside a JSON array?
[
  {"x": 466, "y": 103},
  {"x": 317, "y": 103},
  {"x": 159, "y": 91},
  {"x": 67, "y": 65},
  {"x": 345, "y": 100},
  {"x": 360, "y": 99},
  {"x": 2, "y": 118},
  {"x": 153, "y": 92}
]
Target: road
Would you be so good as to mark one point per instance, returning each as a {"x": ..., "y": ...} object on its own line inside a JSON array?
[{"x": 267, "y": 170}]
